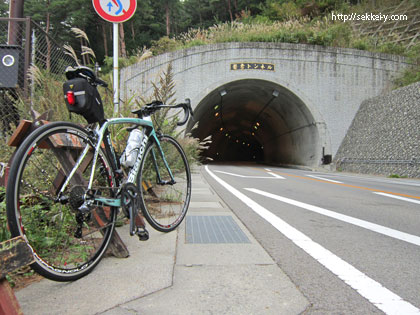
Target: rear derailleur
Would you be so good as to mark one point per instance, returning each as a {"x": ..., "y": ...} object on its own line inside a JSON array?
[{"x": 80, "y": 207}]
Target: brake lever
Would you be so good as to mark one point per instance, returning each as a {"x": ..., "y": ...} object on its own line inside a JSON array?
[
  {"x": 155, "y": 103},
  {"x": 188, "y": 102}
]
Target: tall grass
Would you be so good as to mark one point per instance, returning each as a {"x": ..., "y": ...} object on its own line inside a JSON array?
[
  {"x": 324, "y": 32},
  {"x": 321, "y": 31},
  {"x": 4, "y": 231}
]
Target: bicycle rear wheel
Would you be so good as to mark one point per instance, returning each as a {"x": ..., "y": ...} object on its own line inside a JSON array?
[
  {"x": 67, "y": 244},
  {"x": 164, "y": 203}
]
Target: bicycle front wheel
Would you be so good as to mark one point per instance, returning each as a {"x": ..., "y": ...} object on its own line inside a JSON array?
[
  {"x": 165, "y": 198},
  {"x": 67, "y": 244}
]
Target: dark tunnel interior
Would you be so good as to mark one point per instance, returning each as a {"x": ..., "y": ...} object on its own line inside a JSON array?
[{"x": 256, "y": 120}]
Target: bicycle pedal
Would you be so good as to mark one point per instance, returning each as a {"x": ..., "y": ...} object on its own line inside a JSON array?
[
  {"x": 143, "y": 234},
  {"x": 78, "y": 233},
  {"x": 84, "y": 209}
]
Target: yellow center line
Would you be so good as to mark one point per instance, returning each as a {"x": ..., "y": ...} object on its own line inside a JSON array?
[{"x": 342, "y": 184}]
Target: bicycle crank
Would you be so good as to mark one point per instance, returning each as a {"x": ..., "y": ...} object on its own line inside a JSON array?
[
  {"x": 130, "y": 203},
  {"x": 141, "y": 231}
]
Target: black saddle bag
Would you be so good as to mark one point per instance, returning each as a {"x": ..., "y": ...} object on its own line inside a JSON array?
[{"x": 82, "y": 98}]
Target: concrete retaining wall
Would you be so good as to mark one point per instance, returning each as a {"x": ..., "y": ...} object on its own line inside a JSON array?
[{"x": 384, "y": 137}]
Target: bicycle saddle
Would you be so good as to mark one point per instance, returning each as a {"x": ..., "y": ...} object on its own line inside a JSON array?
[{"x": 83, "y": 72}]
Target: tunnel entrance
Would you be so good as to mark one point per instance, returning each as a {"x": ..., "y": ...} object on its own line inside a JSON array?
[{"x": 257, "y": 120}]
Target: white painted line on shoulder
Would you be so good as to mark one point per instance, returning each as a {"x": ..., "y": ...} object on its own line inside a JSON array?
[
  {"x": 381, "y": 297},
  {"x": 413, "y": 239},
  {"x": 276, "y": 175},
  {"x": 267, "y": 169},
  {"x": 398, "y": 197},
  {"x": 248, "y": 176},
  {"x": 326, "y": 179},
  {"x": 401, "y": 181}
]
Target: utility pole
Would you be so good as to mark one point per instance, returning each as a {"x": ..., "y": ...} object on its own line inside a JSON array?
[{"x": 15, "y": 11}]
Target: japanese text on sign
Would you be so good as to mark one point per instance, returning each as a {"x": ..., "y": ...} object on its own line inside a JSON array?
[{"x": 252, "y": 66}]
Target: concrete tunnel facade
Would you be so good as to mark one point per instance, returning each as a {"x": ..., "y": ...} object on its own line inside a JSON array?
[{"x": 273, "y": 103}]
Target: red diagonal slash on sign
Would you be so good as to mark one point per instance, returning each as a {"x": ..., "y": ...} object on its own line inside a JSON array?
[{"x": 115, "y": 2}]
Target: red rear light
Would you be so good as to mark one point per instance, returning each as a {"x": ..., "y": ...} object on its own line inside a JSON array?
[{"x": 71, "y": 98}]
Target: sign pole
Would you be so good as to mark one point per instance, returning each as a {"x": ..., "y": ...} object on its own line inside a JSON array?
[
  {"x": 116, "y": 78},
  {"x": 115, "y": 11}
]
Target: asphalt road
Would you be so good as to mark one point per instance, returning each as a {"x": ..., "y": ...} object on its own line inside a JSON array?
[{"x": 350, "y": 244}]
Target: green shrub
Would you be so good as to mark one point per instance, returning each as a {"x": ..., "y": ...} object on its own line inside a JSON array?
[
  {"x": 276, "y": 11},
  {"x": 322, "y": 32},
  {"x": 396, "y": 176},
  {"x": 164, "y": 44},
  {"x": 166, "y": 120},
  {"x": 361, "y": 44},
  {"x": 412, "y": 74},
  {"x": 4, "y": 231}
]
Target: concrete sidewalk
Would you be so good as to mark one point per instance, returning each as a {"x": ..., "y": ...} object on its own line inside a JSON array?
[{"x": 210, "y": 265}]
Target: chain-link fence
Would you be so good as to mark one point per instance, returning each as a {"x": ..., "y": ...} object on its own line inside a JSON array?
[
  {"x": 12, "y": 71},
  {"x": 32, "y": 68},
  {"x": 26, "y": 51}
]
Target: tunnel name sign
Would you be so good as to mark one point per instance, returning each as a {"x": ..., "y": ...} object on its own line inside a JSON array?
[{"x": 252, "y": 66}]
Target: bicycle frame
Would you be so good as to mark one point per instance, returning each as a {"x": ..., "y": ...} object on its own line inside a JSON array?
[{"x": 101, "y": 131}]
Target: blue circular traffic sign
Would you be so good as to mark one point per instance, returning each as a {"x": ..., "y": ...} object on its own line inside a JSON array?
[{"x": 115, "y": 11}]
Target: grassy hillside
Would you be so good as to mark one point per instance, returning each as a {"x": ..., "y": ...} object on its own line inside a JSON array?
[{"x": 311, "y": 23}]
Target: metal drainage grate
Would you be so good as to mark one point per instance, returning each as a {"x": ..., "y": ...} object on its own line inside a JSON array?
[{"x": 213, "y": 230}]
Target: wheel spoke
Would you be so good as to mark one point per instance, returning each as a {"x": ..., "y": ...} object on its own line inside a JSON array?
[
  {"x": 164, "y": 206},
  {"x": 49, "y": 226}
]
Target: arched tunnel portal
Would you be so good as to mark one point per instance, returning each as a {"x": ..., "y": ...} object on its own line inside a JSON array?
[
  {"x": 304, "y": 104},
  {"x": 257, "y": 120}
]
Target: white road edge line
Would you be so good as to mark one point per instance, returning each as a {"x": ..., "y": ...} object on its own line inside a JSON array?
[
  {"x": 409, "y": 238},
  {"x": 381, "y": 297},
  {"x": 256, "y": 177},
  {"x": 397, "y": 197},
  {"x": 328, "y": 180}
]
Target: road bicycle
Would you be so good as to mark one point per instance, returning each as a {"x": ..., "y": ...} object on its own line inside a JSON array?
[{"x": 66, "y": 185}]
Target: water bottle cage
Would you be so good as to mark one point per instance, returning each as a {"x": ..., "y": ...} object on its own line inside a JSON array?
[{"x": 130, "y": 129}]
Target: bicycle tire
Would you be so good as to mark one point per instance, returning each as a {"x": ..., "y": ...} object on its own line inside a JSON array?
[
  {"x": 164, "y": 205},
  {"x": 50, "y": 226}
]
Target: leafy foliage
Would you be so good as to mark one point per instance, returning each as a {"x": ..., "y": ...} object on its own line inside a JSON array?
[
  {"x": 165, "y": 120},
  {"x": 412, "y": 74},
  {"x": 4, "y": 9},
  {"x": 322, "y": 32},
  {"x": 4, "y": 231},
  {"x": 153, "y": 19}
]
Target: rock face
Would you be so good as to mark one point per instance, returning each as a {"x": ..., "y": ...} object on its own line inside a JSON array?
[{"x": 384, "y": 137}]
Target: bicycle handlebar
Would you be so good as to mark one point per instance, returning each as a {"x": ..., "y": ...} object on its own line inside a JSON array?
[
  {"x": 187, "y": 111},
  {"x": 156, "y": 105}
]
